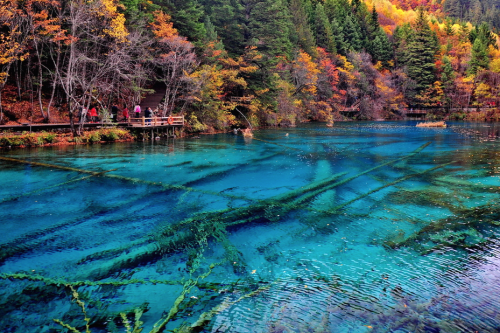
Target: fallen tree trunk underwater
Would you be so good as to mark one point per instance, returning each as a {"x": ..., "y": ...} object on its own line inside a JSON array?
[{"x": 181, "y": 235}]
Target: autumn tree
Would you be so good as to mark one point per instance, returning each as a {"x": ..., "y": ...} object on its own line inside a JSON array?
[
  {"x": 219, "y": 78},
  {"x": 94, "y": 57},
  {"x": 13, "y": 40},
  {"x": 174, "y": 58}
]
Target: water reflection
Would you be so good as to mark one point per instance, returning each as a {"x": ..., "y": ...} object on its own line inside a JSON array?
[{"x": 358, "y": 227}]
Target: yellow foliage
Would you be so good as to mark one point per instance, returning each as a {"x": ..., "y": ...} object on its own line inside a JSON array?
[
  {"x": 108, "y": 9},
  {"x": 493, "y": 52},
  {"x": 306, "y": 73},
  {"x": 495, "y": 65},
  {"x": 483, "y": 90},
  {"x": 117, "y": 28}
]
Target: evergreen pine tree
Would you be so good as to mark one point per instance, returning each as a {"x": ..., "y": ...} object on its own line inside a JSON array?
[
  {"x": 453, "y": 8},
  {"x": 479, "y": 57},
  {"x": 137, "y": 11},
  {"x": 309, "y": 8},
  {"x": 210, "y": 31},
  {"x": 324, "y": 35},
  {"x": 447, "y": 79},
  {"x": 226, "y": 16},
  {"x": 352, "y": 35},
  {"x": 401, "y": 37},
  {"x": 448, "y": 27},
  {"x": 338, "y": 35},
  {"x": 361, "y": 18},
  {"x": 337, "y": 10},
  {"x": 421, "y": 53},
  {"x": 300, "y": 20},
  {"x": 374, "y": 43},
  {"x": 268, "y": 27},
  {"x": 187, "y": 16},
  {"x": 374, "y": 24},
  {"x": 484, "y": 34},
  {"x": 382, "y": 49}
]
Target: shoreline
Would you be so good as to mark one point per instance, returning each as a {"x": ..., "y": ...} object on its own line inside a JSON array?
[{"x": 108, "y": 135}]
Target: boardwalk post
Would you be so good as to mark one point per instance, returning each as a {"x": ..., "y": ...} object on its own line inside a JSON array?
[{"x": 143, "y": 121}]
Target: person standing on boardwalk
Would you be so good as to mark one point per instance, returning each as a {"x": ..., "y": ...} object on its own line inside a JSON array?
[
  {"x": 125, "y": 113},
  {"x": 137, "y": 111},
  {"x": 114, "y": 113},
  {"x": 93, "y": 115},
  {"x": 148, "y": 113}
]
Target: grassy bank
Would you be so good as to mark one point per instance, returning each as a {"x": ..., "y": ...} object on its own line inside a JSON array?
[{"x": 26, "y": 139}]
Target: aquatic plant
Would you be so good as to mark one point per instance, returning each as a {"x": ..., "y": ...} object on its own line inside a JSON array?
[
  {"x": 460, "y": 230},
  {"x": 81, "y": 304},
  {"x": 432, "y": 124}
]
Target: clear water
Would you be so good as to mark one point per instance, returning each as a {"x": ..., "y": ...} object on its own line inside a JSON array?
[{"x": 405, "y": 239}]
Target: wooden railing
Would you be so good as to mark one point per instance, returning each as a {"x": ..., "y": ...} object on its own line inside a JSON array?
[
  {"x": 348, "y": 109},
  {"x": 157, "y": 121},
  {"x": 244, "y": 99},
  {"x": 416, "y": 111}
]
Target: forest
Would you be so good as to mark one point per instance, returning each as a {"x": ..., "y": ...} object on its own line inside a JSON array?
[{"x": 228, "y": 63}]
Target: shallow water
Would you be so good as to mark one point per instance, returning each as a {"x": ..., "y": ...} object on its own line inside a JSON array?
[{"x": 363, "y": 227}]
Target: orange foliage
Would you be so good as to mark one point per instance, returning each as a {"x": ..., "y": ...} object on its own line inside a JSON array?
[
  {"x": 162, "y": 27},
  {"x": 305, "y": 73}
]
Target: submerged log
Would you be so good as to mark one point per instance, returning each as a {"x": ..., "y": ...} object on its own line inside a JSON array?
[{"x": 182, "y": 234}]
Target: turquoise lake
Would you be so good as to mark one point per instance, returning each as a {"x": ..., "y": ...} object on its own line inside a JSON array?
[{"x": 360, "y": 227}]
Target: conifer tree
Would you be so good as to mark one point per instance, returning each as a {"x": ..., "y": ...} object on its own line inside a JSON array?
[
  {"x": 336, "y": 10},
  {"x": 479, "y": 57},
  {"x": 382, "y": 49},
  {"x": 373, "y": 22},
  {"x": 352, "y": 35},
  {"x": 210, "y": 31},
  {"x": 226, "y": 16},
  {"x": 324, "y": 36},
  {"x": 421, "y": 52},
  {"x": 300, "y": 20},
  {"x": 448, "y": 28},
  {"x": 483, "y": 33},
  {"x": 447, "y": 79},
  {"x": 188, "y": 16},
  {"x": 137, "y": 11},
  {"x": 268, "y": 27}
]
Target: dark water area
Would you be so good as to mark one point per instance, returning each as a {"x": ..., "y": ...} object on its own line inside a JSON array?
[{"x": 361, "y": 227}]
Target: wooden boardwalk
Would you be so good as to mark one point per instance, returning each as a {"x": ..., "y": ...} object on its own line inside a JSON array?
[
  {"x": 153, "y": 122},
  {"x": 417, "y": 114},
  {"x": 156, "y": 122}
]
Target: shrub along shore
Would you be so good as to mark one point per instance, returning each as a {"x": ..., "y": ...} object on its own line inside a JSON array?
[{"x": 37, "y": 139}]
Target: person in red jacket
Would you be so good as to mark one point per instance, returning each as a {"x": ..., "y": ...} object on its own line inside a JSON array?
[
  {"x": 93, "y": 115},
  {"x": 126, "y": 114}
]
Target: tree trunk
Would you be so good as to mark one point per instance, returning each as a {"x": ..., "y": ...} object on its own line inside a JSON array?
[
  {"x": 71, "y": 120},
  {"x": 54, "y": 85},
  {"x": 40, "y": 83},
  {"x": 1, "y": 107}
]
